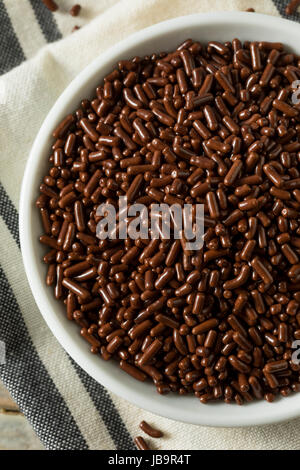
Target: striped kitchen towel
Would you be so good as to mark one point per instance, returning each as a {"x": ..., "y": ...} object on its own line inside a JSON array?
[{"x": 38, "y": 58}]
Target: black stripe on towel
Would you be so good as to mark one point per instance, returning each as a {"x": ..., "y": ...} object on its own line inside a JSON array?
[
  {"x": 29, "y": 382},
  {"x": 46, "y": 21},
  {"x": 9, "y": 214},
  {"x": 11, "y": 53},
  {"x": 107, "y": 410}
]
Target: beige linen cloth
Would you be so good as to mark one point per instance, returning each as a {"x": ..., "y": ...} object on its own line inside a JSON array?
[{"x": 26, "y": 95}]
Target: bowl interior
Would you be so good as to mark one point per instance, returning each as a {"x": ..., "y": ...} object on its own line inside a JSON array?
[{"x": 163, "y": 37}]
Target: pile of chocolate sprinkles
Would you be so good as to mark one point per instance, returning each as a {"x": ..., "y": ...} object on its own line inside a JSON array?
[{"x": 205, "y": 124}]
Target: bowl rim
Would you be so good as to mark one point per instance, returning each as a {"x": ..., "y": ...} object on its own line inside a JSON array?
[{"x": 126, "y": 389}]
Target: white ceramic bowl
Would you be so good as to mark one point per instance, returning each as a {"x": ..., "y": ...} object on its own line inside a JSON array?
[{"x": 164, "y": 36}]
